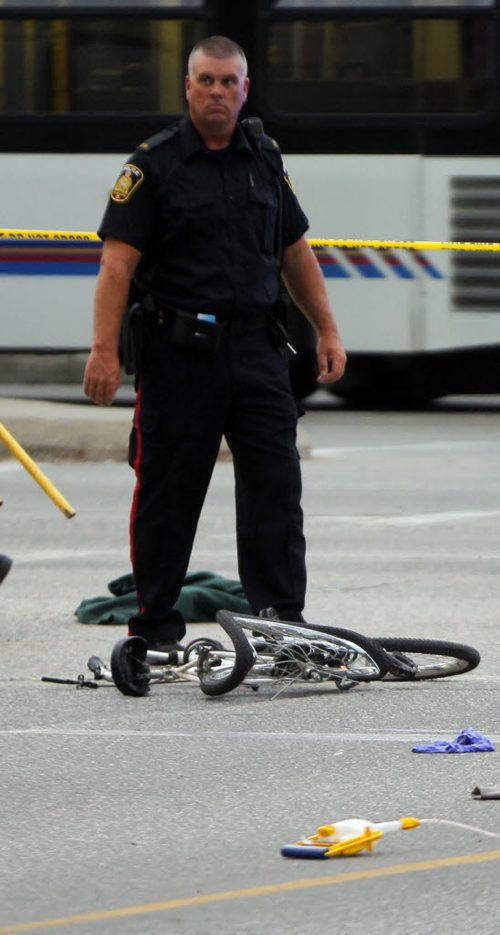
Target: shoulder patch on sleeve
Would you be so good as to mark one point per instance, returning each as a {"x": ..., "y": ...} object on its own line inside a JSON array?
[
  {"x": 127, "y": 183},
  {"x": 288, "y": 179}
]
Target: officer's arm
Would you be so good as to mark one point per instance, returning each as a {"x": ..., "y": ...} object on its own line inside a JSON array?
[
  {"x": 304, "y": 280},
  {"x": 103, "y": 371}
]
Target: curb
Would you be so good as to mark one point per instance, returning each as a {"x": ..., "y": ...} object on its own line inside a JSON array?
[{"x": 53, "y": 431}]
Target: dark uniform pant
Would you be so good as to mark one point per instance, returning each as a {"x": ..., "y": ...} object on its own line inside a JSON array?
[{"x": 187, "y": 401}]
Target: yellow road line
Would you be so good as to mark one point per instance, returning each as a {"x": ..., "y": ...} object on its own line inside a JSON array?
[{"x": 268, "y": 890}]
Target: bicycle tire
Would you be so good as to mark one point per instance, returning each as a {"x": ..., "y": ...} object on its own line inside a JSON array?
[
  {"x": 213, "y": 681},
  {"x": 449, "y": 658},
  {"x": 129, "y": 668}
]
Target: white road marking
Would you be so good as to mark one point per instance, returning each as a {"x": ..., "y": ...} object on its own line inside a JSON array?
[
  {"x": 408, "y": 519},
  {"x": 402, "y": 446},
  {"x": 394, "y": 736}
]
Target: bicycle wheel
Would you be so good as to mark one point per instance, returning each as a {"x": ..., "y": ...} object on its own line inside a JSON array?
[
  {"x": 199, "y": 645},
  {"x": 419, "y": 659},
  {"x": 130, "y": 671},
  {"x": 220, "y": 672}
]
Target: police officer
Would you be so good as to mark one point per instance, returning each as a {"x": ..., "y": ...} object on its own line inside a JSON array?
[{"x": 193, "y": 223}]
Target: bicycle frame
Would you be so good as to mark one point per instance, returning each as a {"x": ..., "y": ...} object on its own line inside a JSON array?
[
  {"x": 283, "y": 653},
  {"x": 162, "y": 668},
  {"x": 287, "y": 636}
]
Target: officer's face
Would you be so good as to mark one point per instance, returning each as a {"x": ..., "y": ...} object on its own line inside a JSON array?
[{"x": 216, "y": 90}]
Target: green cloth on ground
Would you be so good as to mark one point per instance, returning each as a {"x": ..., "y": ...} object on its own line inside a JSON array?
[{"x": 203, "y": 594}]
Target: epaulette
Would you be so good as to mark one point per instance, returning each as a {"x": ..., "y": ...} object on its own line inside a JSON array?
[
  {"x": 270, "y": 143},
  {"x": 272, "y": 153},
  {"x": 271, "y": 149},
  {"x": 162, "y": 137}
]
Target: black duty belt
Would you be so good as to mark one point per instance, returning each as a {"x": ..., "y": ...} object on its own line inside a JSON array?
[
  {"x": 166, "y": 317},
  {"x": 186, "y": 329},
  {"x": 242, "y": 325}
]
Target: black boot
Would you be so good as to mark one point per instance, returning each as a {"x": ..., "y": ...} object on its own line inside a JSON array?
[{"x": 5, "y": 563}]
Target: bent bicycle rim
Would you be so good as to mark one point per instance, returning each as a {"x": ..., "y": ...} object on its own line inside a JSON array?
[
  {"x": 218, "y": 676},
  {"x": 291, "y": 652}
]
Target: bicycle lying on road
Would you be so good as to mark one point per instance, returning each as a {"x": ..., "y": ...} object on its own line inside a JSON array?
[{"x": 267, "y": 651}]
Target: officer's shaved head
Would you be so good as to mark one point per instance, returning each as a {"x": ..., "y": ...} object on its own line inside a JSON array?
[{"x": 218, "y": 47}]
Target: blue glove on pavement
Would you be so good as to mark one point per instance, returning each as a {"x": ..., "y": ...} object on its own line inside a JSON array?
[{"x": 469, "y": 741}]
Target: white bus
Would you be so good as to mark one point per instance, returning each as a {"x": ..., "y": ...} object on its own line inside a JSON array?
[{"x": 388, "y": 116}]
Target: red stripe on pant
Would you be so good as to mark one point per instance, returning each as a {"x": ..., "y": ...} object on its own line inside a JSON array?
[{"x": 137, "y": 470}]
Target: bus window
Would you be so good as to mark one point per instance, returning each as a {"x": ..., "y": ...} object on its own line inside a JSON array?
[
  {"x": 84, "y": 65},
  {"x": 390, "y": 63},
  {"x": 121, "y": 5}
]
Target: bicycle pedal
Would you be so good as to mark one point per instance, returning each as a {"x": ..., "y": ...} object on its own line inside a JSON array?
[
  {"x": 401, "y": 664},
  {"x": 269, "y": 613},
  {"x": 96, "y": 666}
]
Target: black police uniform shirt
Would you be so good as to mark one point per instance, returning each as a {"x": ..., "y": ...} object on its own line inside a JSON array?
[{"x": 205, "y": 220}]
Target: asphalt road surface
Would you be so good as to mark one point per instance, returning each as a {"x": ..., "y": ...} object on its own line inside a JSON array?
[{"x": 167, "y": 813}]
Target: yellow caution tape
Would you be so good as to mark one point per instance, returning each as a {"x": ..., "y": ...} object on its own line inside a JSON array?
[
  {"x": 405, "y": 244},
  {"x": 90, "y": 237},
  {"x": 16, "y": 234}
]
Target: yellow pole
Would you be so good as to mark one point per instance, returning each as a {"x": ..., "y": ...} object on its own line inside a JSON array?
[{"x": 38, "y": 475}]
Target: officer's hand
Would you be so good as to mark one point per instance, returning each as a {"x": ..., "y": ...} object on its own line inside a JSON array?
[
  {"x": 102, "y": 377},
  {"x": 331, "y": 357}
]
